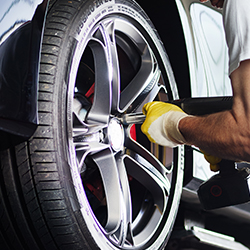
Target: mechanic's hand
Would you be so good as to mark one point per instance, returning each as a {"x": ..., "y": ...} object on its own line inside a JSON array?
[
  {"x": 213, "y": 160},
  {"x": 161, "y": 123},
  {"x": 215, "y": 3}
]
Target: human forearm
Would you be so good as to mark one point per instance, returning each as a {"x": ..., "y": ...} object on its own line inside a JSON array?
[
  {"x": 223, "y": 134},
  {"x": 216, "y": 3}
]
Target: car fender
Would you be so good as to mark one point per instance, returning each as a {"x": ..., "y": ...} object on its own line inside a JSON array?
[{"x": 21, "y": 31}]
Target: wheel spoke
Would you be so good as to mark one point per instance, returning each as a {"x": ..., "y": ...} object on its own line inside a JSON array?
[
  {"x": 86, "y": 139},
  {"x": 107, "y": 82},
  {"x": 113, "y": 62},
  {"x": 148, "y": 74},
  {"x": 108, "y": 168},
  {"x": 159, "y": 189},
  {"x": 149, "y": 175},
  {"x": 140, "y": 87},
  {"x": 100, "y": 109},
  {"x": 148, "y": 156},
  {"x": 124, "y": 232},
  {"x": 148, "y": 95}
]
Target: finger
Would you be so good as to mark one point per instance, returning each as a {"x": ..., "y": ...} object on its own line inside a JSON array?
[
  {"x": 145, "y": 108},
  {"x": 214, "y": 167},
  {"x": 212, "y": 159}
]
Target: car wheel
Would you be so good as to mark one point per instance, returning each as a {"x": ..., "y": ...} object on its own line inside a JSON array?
[{"x": 88, "y": 178}]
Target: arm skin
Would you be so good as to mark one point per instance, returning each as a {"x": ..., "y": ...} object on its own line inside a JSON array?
[
  {"x": 215, "y": 3},
  {"x": 225, "y": 134}
]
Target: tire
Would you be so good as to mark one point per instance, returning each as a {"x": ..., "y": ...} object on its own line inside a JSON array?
[{"x": 88, "y": 178}]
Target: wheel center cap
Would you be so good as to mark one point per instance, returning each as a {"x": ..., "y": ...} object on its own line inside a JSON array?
[{"x": 116, "y": 134}]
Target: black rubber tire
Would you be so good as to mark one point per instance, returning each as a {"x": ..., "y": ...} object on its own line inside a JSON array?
[{"x": 39, "y": 207}]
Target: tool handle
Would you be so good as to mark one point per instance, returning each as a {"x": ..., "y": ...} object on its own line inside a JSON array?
[
  {"x": 204, "y": 105},
  {"x": 191, "y": 106}
]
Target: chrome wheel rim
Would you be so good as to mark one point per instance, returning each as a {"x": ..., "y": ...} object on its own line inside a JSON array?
[{"x": 131, "y": 194}]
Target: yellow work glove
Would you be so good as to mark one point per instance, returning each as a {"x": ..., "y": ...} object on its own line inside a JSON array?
[
  {"x": 161, "y": 123},
  {"x": 213, "y": 160}
]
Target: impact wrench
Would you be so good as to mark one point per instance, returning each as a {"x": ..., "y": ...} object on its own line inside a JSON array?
[{"x": 231, "y": 185}]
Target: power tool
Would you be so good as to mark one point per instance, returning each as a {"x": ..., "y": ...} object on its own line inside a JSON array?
[{"x": 231, "y": 185}]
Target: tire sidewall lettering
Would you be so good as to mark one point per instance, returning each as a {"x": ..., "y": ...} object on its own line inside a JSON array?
[{"x": 97, "y": 4}]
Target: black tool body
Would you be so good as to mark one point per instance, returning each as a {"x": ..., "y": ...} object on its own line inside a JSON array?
[
  {"x": 204, "y": 105},
  {"x": 231, "y": 185}
]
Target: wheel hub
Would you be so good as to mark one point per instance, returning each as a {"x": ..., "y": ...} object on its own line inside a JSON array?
[{"x": 116, "y": 134}]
